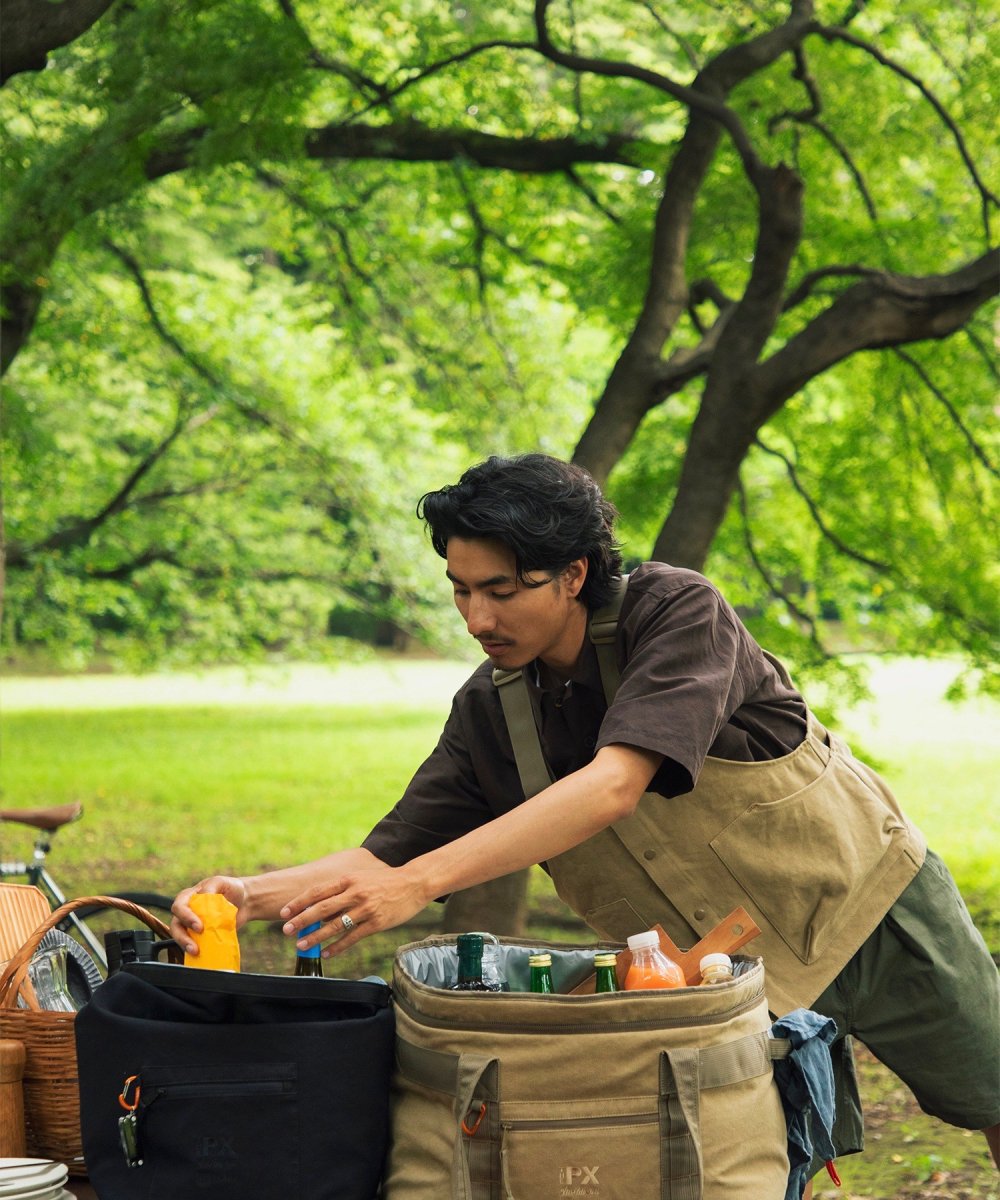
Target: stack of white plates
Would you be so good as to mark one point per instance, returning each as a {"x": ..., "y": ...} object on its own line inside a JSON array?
[{"x": 33, "y": 1179}]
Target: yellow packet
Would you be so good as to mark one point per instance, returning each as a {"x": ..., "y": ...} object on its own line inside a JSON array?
[{"x": 218, "y": 945}]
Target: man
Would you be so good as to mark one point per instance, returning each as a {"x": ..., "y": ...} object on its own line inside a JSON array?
[{"x": 681, "y": 774}]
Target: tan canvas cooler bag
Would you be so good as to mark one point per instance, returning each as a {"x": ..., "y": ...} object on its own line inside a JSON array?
[{"x": 664, "y": 1095}]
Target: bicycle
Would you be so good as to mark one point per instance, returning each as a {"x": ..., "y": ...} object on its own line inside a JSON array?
[{"x": 86, "y": 958}]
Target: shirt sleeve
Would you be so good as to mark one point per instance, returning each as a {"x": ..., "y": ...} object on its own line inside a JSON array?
[
  {"x": 681, "y": 680},
  {"x": 442, "y": 801}
]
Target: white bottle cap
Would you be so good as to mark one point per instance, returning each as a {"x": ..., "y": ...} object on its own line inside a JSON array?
[
  {"x": 642, "y": 941},
  {"x": 716, "y": 960}
]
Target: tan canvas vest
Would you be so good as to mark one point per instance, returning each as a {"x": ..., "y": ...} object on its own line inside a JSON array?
[{"x": 813, "y": 845}]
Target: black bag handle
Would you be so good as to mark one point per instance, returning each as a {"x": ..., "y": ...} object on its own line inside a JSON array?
[{"x": 173, "y": 978}]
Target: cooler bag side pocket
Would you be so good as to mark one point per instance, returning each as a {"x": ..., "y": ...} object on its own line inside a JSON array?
[
  {"x": 476, "y": 1173},
  {"x": 680, "y": 1123},
  {"x": 451, "y": 1127},
  {"x": 742, "y": 1121}
]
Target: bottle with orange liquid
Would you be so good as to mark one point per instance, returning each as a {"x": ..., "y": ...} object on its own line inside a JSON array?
[
  {"x": 651, "y": 968},
  {"x": 218, "y": 944}
]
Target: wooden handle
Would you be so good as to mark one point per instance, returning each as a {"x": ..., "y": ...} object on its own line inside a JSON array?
[
  {"x": 14, "y": 972},
  {"x": 726, "y": 938}
]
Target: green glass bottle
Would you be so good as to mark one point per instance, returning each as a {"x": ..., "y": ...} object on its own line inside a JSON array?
[
  {"x": 470, "y": 965},
  {"x": 308, "y": 962},
  {"x": 605, "y": 964},
  {"x": 540, "y": 966}
]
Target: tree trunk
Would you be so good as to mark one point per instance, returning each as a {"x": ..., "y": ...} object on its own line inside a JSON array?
[
  {"x": 499, "y": 906},
  {"x": 29, "y": 30}
]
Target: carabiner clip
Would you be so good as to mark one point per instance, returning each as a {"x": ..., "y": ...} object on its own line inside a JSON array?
[{"x": 123, "y": 1098}]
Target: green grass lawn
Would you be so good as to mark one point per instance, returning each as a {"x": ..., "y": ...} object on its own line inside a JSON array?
[
  {"x": 186, "y": 774},
  {"x": 183, "y": 775}
]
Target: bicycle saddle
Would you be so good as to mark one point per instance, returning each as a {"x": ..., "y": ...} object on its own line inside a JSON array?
[{"x": 44, "y": 818}]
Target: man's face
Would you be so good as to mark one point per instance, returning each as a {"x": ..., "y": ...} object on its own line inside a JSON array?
[{"x": 515, "y": 623}]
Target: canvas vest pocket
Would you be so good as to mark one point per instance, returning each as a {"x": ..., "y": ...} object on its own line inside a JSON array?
[{"x": 807, "y": 898}]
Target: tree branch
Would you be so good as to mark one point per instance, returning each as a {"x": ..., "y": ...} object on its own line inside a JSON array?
[
  {"x": 686, "y": 363},
  {"x": 779, "y": 232},
  {"x": 803, "y": 289},
  {"x": 802, "y": 73},
  {"x": 779, "y": 593},
  {"x": 987, "y": 197},
  {"x": 77, "y": 531},
  {"x": 838, "y": 543},
  {"x": 138, "y": 277},
  {"x": 390, "y": 94},
  {"x": 686, "y": 48},
  {"x": 125, "y": 570},
  {"x": 848, "y": 161},
  {"x": 952, "y": 412},
  {"x": 884, "y": 309},
  {"x": 694, "y": 98},
  {"x": 580, "y": 183},
  {"x": 364, "y": 83},
  {"x": 625, "y": 399},
  {"x": 251, "y": 411},
  {"x": 413, "y": 141}
]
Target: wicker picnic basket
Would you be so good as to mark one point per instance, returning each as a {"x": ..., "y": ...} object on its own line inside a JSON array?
[{"x": 51, "y": 1095}]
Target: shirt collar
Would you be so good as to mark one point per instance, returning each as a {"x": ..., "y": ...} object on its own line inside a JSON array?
[{"x": 586, "y": 674}]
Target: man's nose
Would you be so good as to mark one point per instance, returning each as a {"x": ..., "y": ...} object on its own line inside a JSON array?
[{"x": 481, "y": 617}]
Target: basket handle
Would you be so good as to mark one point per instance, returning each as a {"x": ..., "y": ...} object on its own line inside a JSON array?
[{"x": 14, "y": 972}]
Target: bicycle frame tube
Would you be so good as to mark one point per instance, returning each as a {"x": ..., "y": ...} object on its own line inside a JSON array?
[{"x": 38, "y": 875}]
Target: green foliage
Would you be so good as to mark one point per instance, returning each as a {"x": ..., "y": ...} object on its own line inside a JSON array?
[{"x": 289, "y": 350}]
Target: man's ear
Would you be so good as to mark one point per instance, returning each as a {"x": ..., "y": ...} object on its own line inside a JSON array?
[{"x": 575, "y": 575}]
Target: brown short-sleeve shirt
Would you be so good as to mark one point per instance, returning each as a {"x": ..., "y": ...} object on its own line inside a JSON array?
[{"x": 694, "y": 683}]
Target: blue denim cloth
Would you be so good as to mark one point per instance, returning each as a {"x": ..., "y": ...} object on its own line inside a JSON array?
[{"x": 805, "y": 1084}]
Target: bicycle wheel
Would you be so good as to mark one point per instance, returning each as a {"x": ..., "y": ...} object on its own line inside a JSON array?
[{"x": 155, "y": 902}]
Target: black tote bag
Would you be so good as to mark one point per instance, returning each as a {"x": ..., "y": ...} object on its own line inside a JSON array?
[{"x": 249, "y": 1087}]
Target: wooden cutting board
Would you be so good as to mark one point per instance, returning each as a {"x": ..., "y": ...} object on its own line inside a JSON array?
[{"x": 726, "y": 938}]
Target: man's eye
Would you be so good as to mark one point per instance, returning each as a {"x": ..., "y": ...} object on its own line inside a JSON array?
[{"x": 503, "y": 595}]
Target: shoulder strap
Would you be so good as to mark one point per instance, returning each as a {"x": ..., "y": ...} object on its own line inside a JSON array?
[
  {"x": 532, "y": 768},
  {"x": 534, "y": 772},
  {"x": 603, "y": 629}
]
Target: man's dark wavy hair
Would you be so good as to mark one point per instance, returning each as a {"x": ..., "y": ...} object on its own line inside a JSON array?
[{"x": 548, "y": 512}]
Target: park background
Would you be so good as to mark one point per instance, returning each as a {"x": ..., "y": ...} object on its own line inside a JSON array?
[{"x": 272, "y": 269}]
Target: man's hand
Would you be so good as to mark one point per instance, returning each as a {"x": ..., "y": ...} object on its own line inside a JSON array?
[
  {"x": 370, "y": 900},
  {"x": 234, "y": 890}
]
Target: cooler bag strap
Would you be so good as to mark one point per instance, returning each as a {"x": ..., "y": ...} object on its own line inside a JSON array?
[
  {"x": 680, "y": 1129},
  {"x": 434, "y": 1069},
  {"x": 746, "y": 1058}
]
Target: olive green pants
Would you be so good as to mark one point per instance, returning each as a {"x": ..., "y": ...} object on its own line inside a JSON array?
[{"x": 923, "y": 994}]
